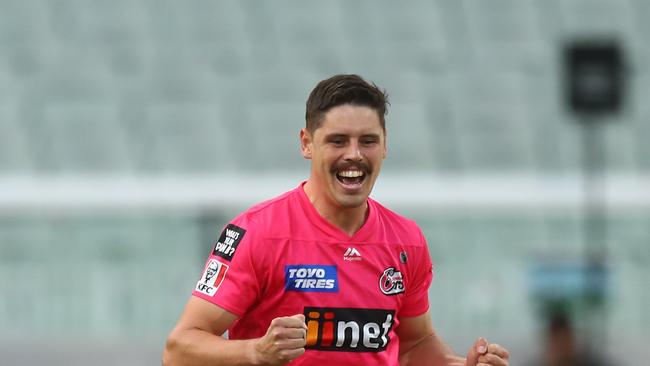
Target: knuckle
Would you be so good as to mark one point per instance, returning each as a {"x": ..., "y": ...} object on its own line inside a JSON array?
[
  {"x": 277, "y": 321},
  {"x": 285, "y": 356},
  {"x": 276, "y": 333},
  {"x": 494, "y": 359},
  {"x": 499, "y": 350}
]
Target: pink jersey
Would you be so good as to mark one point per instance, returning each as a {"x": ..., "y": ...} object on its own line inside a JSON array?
[{"x": 281, "y": 258}]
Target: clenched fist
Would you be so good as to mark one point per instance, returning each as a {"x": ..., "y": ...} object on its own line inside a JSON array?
[
  {"x": 484, "y": 354},
  {"x": 283, "y": 341}
]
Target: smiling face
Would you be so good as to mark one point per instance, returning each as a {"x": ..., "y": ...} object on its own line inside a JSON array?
[{"x": 347, "y": 151}]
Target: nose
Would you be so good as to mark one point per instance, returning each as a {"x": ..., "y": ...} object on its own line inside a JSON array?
[{"x": 353, "y": 152}]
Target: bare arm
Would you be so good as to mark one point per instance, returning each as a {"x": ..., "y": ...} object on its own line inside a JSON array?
[
  {"x": 197, "y": 340},
  {"x": 420, "y": 345}
]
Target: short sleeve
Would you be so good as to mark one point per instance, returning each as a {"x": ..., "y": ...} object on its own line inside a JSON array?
[
  {"x": 419, "y": 264},
  {"x": 229, "y": 277}
]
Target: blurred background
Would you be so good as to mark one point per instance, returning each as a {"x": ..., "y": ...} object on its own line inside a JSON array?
[{"x": 131, "y": 131}]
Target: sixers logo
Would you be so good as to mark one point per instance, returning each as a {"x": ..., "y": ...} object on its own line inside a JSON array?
[{"x": 391, "y": 282}]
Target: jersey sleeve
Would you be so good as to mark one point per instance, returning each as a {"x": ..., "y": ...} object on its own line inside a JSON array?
[
  {"x": 416, "y": 301},
  {"x": 229, "y": 277}
]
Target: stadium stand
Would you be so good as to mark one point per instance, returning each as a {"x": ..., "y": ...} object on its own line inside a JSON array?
[{"x": 188, "y": 90}]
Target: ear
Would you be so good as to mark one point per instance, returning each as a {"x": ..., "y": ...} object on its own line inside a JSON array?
[
  {"x": 385, "y": 152},
  {"x": 305, "y": 143}
]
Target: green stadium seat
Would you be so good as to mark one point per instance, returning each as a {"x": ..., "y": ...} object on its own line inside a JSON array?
[{"x": 72, "y": 137}]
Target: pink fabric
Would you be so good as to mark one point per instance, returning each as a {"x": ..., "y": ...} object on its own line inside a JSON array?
[{"x": 287, "y": 243}]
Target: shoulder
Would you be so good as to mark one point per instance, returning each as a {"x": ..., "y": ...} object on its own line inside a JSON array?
[
  {"x": 249, "y": 228},
  {"x": 402, "y": 226},
  {"x": 265, "y": 215}
]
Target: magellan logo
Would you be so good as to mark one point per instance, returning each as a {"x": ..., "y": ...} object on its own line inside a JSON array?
[
  {"x": 352, "y": 254},
  {"x": 348, "y": 329},
  {"x": 391, "y": 282}
]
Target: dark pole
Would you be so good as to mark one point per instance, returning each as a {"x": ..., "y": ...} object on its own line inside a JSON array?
[
  {"x": 594, "y": 80},
  {"x": 594, "y": 230}
]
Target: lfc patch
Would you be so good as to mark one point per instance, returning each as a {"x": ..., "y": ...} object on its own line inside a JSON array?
[{"x": 391, "y": 282}]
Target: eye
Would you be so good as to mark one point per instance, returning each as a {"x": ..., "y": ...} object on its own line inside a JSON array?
[
  {"x": 337, "y": 141},
  {"x": 367, "y": 141}
]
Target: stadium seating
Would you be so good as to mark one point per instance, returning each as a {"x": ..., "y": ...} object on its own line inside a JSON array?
[{"x": 217, "y": 88}]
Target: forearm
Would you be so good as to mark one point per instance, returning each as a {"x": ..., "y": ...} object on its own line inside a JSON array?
[
  {"x": 430, "y": 350},
  {"x": 198, "y": 347}
]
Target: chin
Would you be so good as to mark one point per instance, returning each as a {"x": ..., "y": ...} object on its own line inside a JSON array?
[{"x": 352, "y": 201}]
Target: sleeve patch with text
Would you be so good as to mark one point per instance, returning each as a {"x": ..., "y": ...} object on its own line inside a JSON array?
[{"x": 228, "y": 241}]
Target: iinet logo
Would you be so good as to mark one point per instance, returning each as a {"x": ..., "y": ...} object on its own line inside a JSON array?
[
  {"x": 348, "y": 329},
  {"x": 352, "y": 254}
]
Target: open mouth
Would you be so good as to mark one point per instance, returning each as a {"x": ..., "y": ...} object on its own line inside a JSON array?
[{"x": 351, "y": 178}]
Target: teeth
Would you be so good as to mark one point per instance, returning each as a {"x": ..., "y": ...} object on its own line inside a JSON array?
[{"x": 350, "y": 173}]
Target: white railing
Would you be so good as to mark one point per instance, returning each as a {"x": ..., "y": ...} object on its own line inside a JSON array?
[{"x": 403, "y": 191}]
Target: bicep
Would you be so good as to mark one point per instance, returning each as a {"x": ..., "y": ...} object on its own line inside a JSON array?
[
  {"x": 413, "y": 330},
  {"x": 203, "y": 315},
  {"x": 197, "y": 338},
  {"x": 419, "y": 343}
]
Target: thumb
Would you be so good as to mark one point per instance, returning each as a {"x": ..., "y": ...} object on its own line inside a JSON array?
[{"x": 478, "y": 348}]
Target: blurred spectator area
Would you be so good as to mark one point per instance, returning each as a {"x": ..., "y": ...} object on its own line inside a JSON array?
[{"x": 132, "y": 130}]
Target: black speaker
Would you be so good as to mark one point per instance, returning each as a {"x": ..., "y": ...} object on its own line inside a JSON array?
[{"x": 594, "y": 77}]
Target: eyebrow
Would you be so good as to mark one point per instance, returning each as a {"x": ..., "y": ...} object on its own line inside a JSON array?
[{"x": 337, "y": 135}]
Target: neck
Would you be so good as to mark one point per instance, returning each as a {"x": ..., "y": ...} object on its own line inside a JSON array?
[{"x": 347, "y": 219}]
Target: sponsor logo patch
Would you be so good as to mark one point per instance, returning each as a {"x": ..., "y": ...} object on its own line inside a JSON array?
[
  {"x": 228, "y": 241},
  {"x": 391, "y": 282},
  {"x": 348, "y": 329},
  {"x": 311, "y": 278},
  {"x": 212, "y": 277},
  {"x": 352, "y": 254}
]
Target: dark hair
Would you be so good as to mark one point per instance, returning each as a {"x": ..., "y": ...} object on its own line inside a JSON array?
[
  {"x": 559, "y": 322},
  {"x": 344, "y": 89}
]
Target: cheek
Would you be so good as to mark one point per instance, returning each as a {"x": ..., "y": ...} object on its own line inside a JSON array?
[
  {"x": 322, "y": 164},
  {"x": 327, "y": 159},
  {"x": 376, "y": 156}
]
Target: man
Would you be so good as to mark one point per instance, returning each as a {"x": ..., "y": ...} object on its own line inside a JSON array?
[
  {"x": 562, "y": 346},
  {"x": 322, "y": 274}
]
